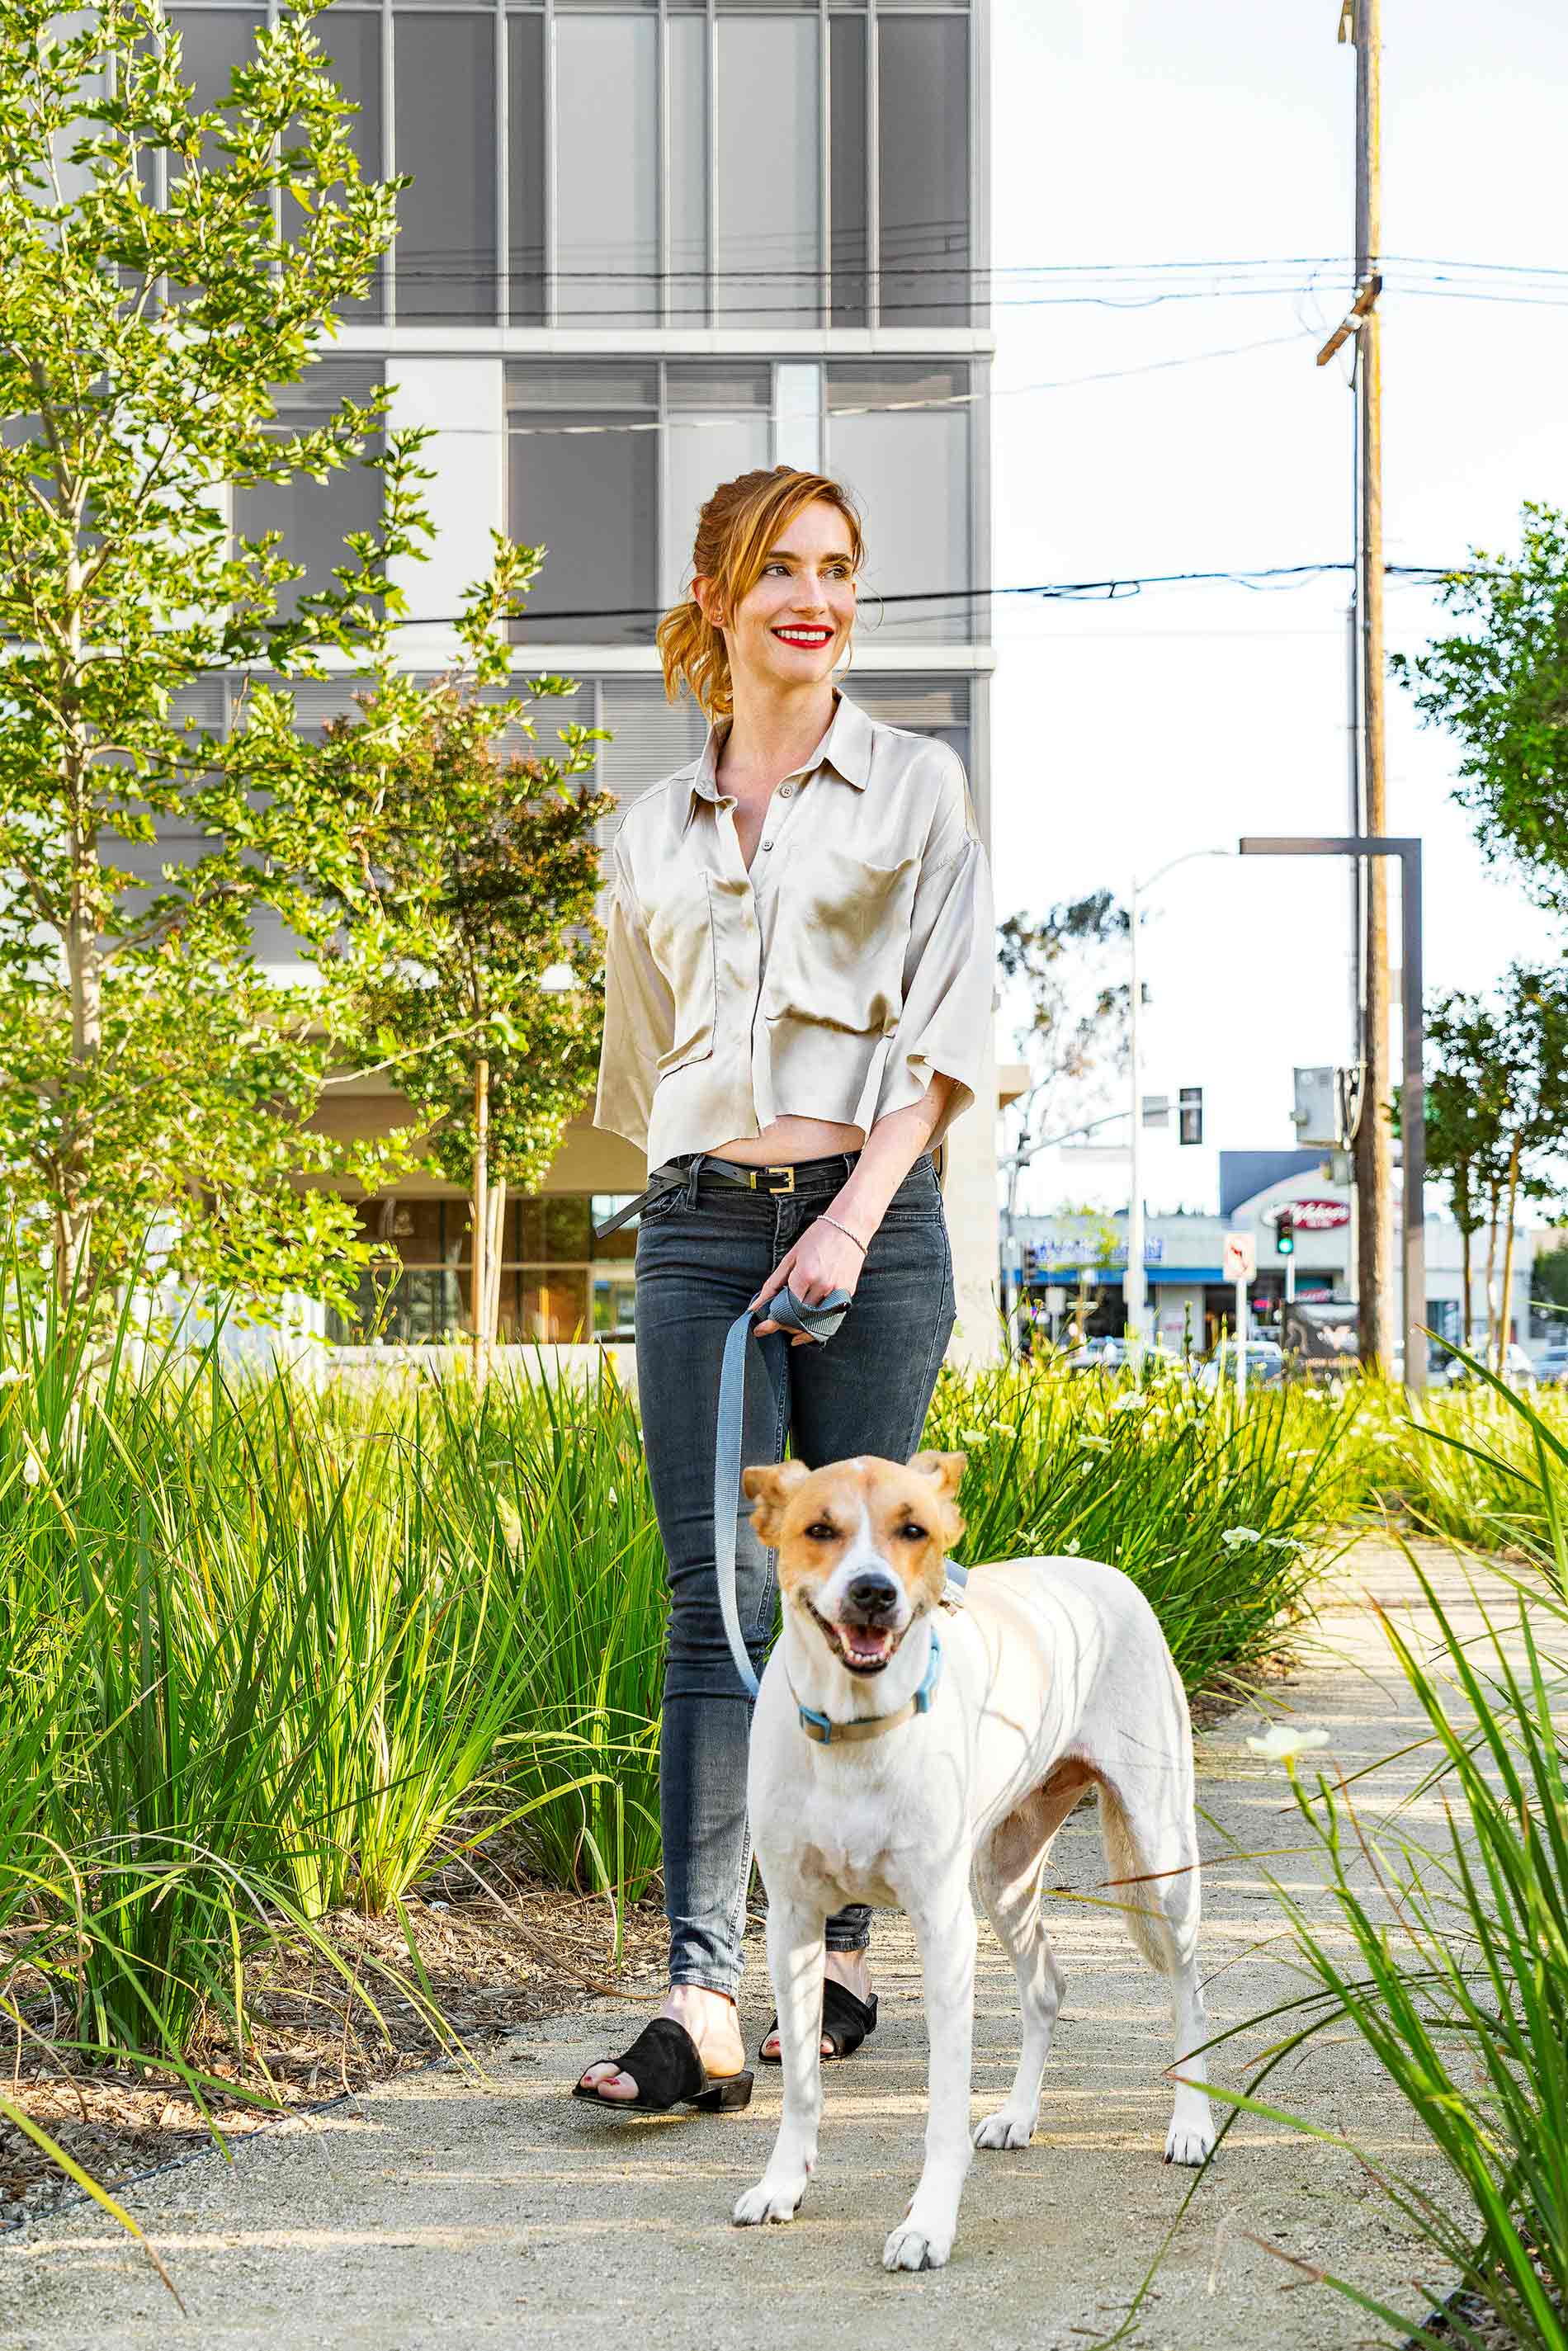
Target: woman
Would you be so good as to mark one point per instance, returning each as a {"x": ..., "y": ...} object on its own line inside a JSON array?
[{"x": 797, "y": 1004}]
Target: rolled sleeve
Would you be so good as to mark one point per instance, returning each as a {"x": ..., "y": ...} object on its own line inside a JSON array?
[
  {"x": 949, "y": 970},
  {"x": 639, "y": 1017}
]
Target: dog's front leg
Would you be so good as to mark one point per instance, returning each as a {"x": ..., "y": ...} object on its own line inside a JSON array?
[
  {"x": 795, "y": 1960},
  {"x": 943, "y": 1925}
]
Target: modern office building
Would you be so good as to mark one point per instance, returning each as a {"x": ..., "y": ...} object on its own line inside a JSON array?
[{"x": 649, "y": 245}]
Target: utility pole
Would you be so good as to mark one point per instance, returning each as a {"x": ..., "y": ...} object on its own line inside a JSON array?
[
  {"x": 1360, "y": 21},
  {"x": 1373, "y": 1140}
]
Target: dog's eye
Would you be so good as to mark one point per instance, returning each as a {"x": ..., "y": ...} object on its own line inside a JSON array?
[
  {"x": 913, "y": 1533},
  {"x": 821, "y": 1531}
]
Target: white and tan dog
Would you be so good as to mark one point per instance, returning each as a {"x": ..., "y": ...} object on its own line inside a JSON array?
[{"x": 1054, "y": 1677}]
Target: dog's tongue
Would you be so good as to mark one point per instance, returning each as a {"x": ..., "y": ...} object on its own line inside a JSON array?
[{"x": 866, "y": 1643}]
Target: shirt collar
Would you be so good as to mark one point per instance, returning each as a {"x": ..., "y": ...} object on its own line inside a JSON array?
[{"x": 845, "y": 748}]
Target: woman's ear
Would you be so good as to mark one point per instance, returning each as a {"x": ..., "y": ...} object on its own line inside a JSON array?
[{"x": 701, "y": 591}]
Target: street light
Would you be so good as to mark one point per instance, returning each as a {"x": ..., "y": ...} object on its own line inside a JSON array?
[
  {"x": 1413, "y": 1093},
  {"x": 1132, "y": 1283}
]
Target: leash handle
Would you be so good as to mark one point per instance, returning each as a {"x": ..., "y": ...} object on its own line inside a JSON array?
[{"x": 819, "y": 1321}]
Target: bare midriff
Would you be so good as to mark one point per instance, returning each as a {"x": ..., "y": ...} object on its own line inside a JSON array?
[{"x": 788, "y": 1139}]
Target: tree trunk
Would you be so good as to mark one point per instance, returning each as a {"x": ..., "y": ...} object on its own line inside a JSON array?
[
  {"x": 479, "y": 1279},
  {"x": 495, "y": 1253},
  {"x": 1491, "y": 1271},
  {"x": 1465, "y": 1239},
  {"x": 1505, "y": 1313}
]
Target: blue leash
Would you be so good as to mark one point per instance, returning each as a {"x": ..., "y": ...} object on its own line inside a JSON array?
[
  {"x": 819, "y": 1321},
  {"x": 784, "y": 1308}
]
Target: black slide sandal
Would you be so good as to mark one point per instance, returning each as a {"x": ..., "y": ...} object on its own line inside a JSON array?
[
  {"x": 846, "y": 2021},
  {"x": 664, "y": 2062}
]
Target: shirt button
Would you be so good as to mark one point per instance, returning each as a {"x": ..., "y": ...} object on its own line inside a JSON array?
[
  {"x": 785, "y": 791},
  {"x": 767, "y": 844}
]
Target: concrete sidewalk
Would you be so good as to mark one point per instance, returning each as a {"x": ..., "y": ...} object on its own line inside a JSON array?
[{"x": 435, "y": 2209}]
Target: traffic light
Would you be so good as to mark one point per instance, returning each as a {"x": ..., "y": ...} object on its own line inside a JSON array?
[
  {"x": 1285, "y": 1234},
  {"x": 1189, "y": 1114}
]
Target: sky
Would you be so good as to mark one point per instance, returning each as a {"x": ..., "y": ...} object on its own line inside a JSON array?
[{"x": 1124, "y": 735}]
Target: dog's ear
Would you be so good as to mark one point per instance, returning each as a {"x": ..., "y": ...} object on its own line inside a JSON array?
[
  {"x": 769, "y": 1485},
  {"x": 944, "y": 1469}
]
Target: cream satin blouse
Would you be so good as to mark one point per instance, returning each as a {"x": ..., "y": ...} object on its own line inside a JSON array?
[{"x": 854, "y": 960}]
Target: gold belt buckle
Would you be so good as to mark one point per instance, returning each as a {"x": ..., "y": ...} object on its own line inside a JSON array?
[{"x": 790, "y": 1172}]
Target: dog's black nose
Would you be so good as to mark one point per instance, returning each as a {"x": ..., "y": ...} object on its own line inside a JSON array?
[{"x": 872, "y": 1595}]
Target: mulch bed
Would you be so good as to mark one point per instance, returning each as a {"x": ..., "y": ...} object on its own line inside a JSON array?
[{"x": 498, "y": 1952}]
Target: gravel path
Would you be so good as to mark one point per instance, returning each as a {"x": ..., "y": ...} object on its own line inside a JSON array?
[{"x": 439, "y": 2208}]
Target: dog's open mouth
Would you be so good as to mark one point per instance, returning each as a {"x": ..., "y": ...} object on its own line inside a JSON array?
[{"x": 864, "y": 1649}]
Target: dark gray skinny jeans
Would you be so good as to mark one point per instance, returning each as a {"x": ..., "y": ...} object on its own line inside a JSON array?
[{"x": 704, "y": 1250}]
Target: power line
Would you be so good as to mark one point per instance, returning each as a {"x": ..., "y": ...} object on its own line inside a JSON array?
[
  {"x": 1274, "y": 576},
  {"x": 935, "y": 401}
]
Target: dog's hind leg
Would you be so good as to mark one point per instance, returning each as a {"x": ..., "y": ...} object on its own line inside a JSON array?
[
  {"x": 1151, "y": 1853},
  {"x": 1008, "y": 1868}
]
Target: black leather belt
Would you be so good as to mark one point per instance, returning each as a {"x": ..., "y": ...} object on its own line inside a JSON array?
[{"x": 664, "y": 1179}]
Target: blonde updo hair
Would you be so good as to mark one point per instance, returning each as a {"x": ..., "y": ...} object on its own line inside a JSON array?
[{"x": 735, "y": 531}]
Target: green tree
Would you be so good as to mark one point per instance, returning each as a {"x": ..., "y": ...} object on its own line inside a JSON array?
[
  {"x": 482, "y": 869},
  {"x": 1465, "y": 1118},
  {"x": 1501, "y": 689},
  {"x": 1496, "y": 1102},
  {"x": 154, "y": 1073}
]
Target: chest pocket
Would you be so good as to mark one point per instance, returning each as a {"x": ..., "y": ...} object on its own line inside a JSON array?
[
  {"x": 841, "y": 926},
  {"x": 682, "y": 942}
]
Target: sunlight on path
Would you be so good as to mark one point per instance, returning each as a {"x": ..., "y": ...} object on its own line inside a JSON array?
[{"x": 439, "y": 2209}]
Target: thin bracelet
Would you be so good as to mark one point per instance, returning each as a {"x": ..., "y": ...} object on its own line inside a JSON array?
[{"x": 824, "y": 1218}]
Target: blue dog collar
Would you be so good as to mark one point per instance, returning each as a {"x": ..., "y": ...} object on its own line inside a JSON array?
[{"x": 828, "y": 1733}]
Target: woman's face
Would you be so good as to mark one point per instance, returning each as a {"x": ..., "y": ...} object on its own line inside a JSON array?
[{"x": 794, "y": 626}]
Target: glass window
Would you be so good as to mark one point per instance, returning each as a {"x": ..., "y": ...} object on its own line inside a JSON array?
[
  {"x": 316, "y": 518},
  {"x": 444, "y": 78},
  {"x": 526, "y": 168},
  {"x": 555, "y": 1228},
  {"x": 915, "y": 543},
  {"x": 352, "y": 39},
  {"x": 718, "y": 426},
  {"x": 590, "y": 497},
  {"x": 213, "y": 42},
  {"x": 768, "y": 229},
  {"x": 607, "y": 197},
  {"x": 849, "y": 256},
  {"x": 688, "y": 290},
  {"x": 923, "y": 170}
]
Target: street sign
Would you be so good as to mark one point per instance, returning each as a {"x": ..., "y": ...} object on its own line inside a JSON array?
[{"x": 1241, "y": 1259}]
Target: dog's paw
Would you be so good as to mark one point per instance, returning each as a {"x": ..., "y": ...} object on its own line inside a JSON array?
[
  {"x": 1189, "y": 2143},
  {"x": 767, "y": 2201},
  {"x": 913, "y": 2247},
  {"x": 1005, "y": 2128}
]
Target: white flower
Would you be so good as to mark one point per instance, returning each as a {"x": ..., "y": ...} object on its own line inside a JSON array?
[
  {"x": 1234, "y": 1537},
  {"x": 32, "y": 1468},
  {"x": 1281, "y": 1744},
  {"x": 613, "y": 1495},
  {"x": 1127, "y": 1403},
  {"x": 9, "y": 1374},
  {"x": 1098, "y": 1444},
  {"x": 1074, "y": 1547},
  {"x": 971, "y": 1436}
]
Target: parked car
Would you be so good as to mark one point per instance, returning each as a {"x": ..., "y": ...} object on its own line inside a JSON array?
[
  {"x": 1552, "y": 1368},
  {"x": 1265, "y": 1365},
  {"x": 1517, "y": 1368},
  {"x": 1101, "y": 1355}
]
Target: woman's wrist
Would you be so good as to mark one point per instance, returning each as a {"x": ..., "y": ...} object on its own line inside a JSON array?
[{"x": 823, "y": 1217}]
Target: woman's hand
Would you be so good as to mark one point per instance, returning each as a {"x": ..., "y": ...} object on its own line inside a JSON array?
[{"x": 822, "y": 1259}]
